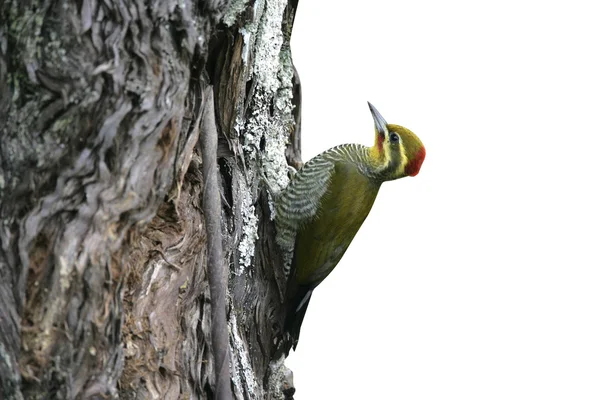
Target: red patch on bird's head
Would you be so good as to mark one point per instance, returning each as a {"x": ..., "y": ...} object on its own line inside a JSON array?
[
  {"x": 380, "y": 139},
  {"x": 414, "y": 164}
]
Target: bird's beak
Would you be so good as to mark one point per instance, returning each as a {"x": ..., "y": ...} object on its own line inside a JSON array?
[{"x": 380, "y": 123}]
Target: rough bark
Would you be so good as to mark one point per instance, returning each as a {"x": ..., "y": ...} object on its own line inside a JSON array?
[{"x": 104, "y": 272}]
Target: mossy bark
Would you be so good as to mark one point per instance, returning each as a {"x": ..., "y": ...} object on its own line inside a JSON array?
[{"x": 104, "y": 288}]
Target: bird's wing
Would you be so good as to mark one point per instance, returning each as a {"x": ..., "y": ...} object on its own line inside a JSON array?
[
  {"x": 321, "y": 242},
  {"x": 299, "y": 202}
]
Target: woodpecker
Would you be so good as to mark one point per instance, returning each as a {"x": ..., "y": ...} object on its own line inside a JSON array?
[{"x": 326, "y": 202}]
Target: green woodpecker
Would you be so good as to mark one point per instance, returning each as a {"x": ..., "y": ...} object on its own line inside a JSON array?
[{"x": 326, "y": 202}]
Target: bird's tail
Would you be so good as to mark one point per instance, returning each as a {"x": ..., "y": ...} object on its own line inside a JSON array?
[{"x": 297, "y": 303}]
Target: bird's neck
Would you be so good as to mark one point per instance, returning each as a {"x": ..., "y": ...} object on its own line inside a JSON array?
[
  {"x": 372, "y": 163},
  {"x": 384, "y": 167}
]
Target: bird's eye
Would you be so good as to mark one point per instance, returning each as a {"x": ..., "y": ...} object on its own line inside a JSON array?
[{"x": 394, "y": 138}]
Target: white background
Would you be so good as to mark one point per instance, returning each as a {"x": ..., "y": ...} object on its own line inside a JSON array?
[{"x": 479, "y": 278}]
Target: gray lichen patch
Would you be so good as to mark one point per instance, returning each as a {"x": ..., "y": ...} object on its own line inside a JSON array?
[
  {"x": 282, "y": 124},
  {"x": 249, "y": 230},
  {"x": 241, "y": 366},
  {"x": 268, "y": 46},
  {"x": 281, "y": 378},
  {"x": 234, "y": 9},
  {"x": 269, "y": 119},
  {"x": 273, "y": 77}
]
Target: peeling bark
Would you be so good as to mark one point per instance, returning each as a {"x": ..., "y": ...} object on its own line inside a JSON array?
[{"x": 104, "y": 289}]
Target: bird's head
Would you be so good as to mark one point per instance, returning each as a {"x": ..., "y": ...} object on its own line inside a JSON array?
[{"x": 397, "y": 151}]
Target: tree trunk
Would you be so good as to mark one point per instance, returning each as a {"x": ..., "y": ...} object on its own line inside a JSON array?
[{"x": 137, "y": 253}]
